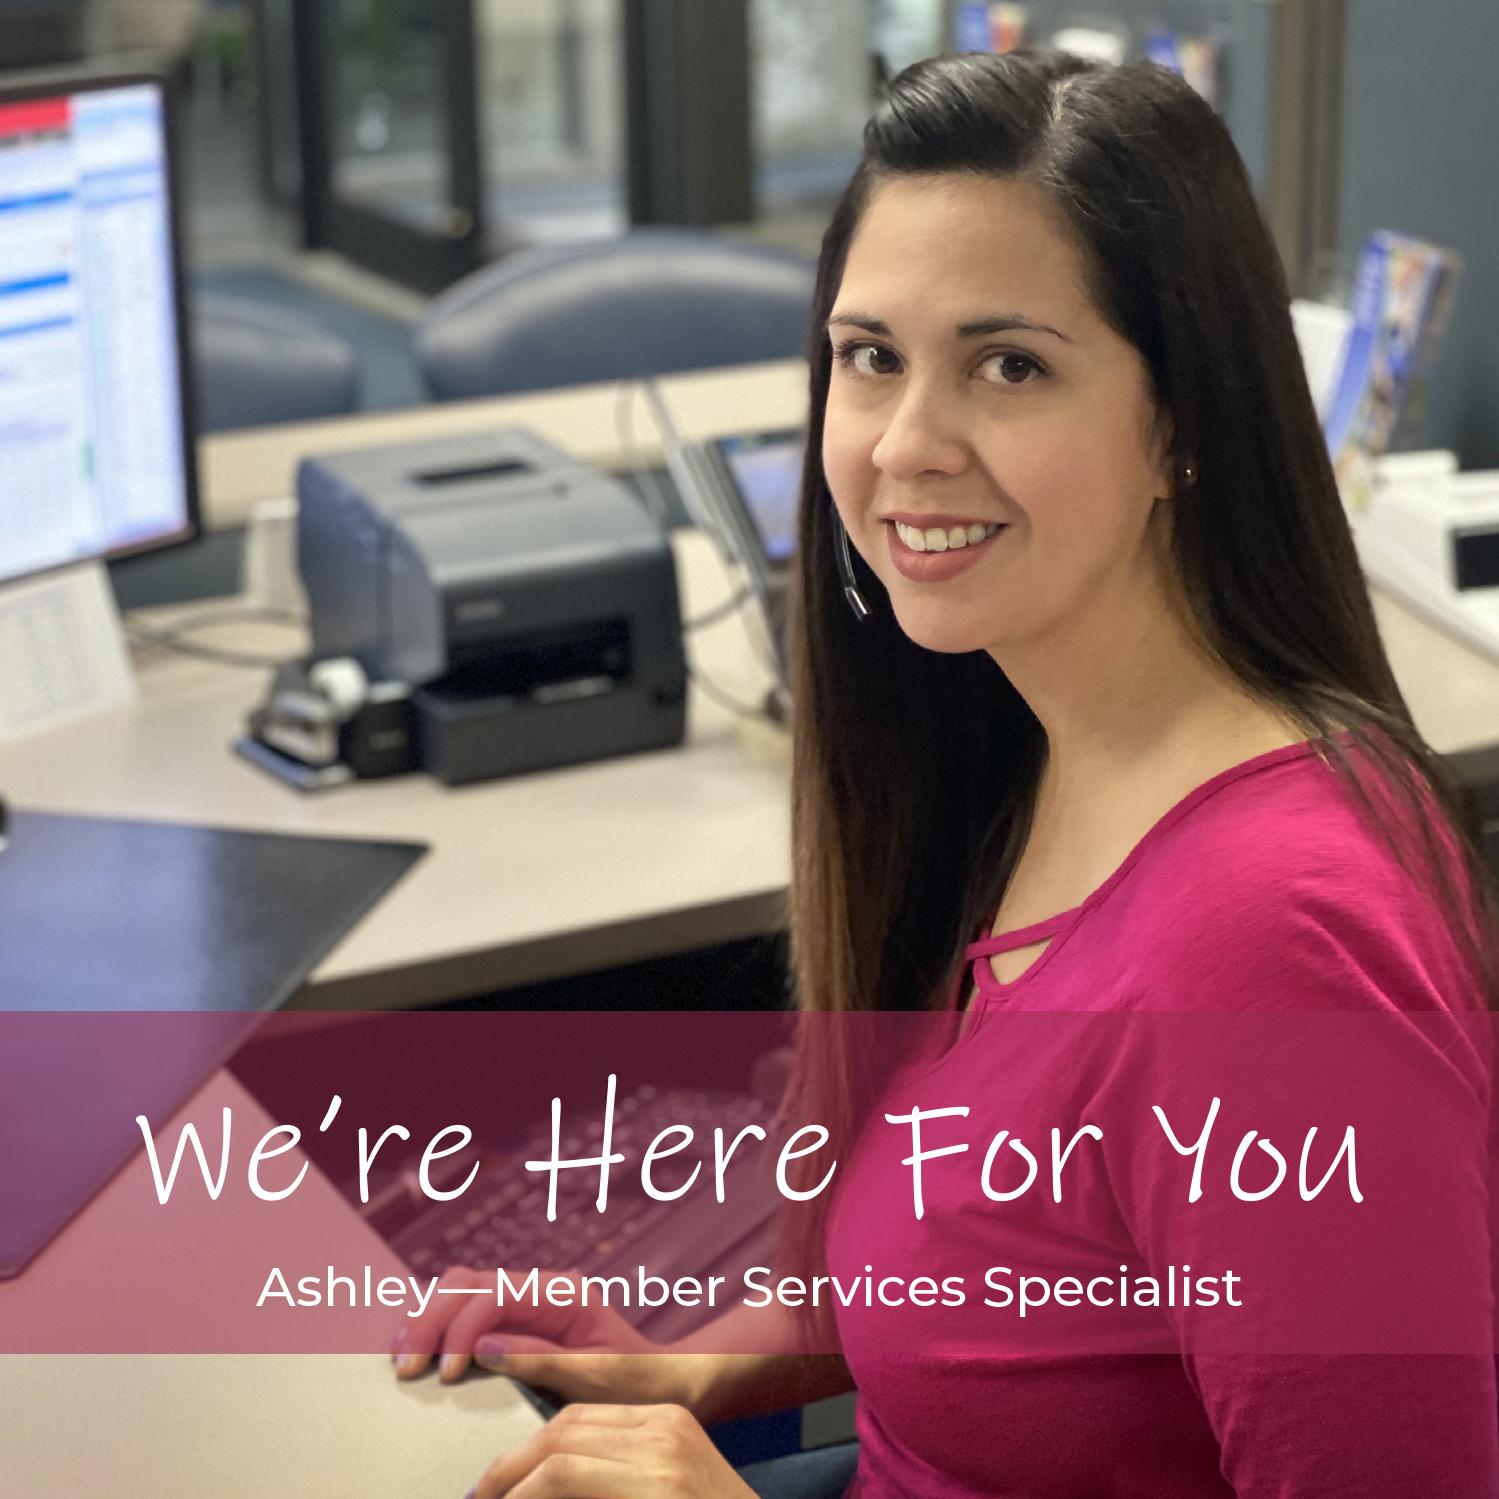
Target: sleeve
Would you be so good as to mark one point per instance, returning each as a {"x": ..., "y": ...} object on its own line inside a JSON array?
[{"x": 1360, "y": 1360}]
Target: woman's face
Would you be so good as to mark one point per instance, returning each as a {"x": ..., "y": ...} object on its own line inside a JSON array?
[{"x": 975, "y": 386}]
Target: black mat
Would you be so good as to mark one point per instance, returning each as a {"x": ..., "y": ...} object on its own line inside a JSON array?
[
  {"x": 208, "y": 928},
  {"x": 97, "y": 914}
]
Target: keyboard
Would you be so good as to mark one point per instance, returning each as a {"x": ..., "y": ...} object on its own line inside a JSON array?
[{"x": 501, "y": 1220}]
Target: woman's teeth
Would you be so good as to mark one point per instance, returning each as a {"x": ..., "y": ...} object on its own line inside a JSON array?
[{"x": 944, "y": 539}]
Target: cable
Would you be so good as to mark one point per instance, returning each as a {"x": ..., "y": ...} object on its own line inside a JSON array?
[
  {"x": 722, "y": 698},
  {"x": 229, "y": 613},
  {"x": 624, "y": 431},
  {"x": 656, "y": 501},
  {"x": 204, "y": 652},
  {"x": 717, "y": 612},
  {"x": 761, "y": 630},
  {"x": 145, "y": 638}
]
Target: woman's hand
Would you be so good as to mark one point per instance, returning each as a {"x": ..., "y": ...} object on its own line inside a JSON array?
[
  {"x": 581, "y": 1353},
  {"x": 615, "y": 1452}
]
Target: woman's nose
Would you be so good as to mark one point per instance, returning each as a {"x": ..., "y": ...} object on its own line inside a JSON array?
[{"x": 921, "y": 437}]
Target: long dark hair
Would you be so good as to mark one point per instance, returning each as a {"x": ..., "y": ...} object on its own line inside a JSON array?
[{"x": 915, "y": 770}]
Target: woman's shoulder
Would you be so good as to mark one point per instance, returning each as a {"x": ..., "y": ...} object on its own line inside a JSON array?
[
  {"x": 1290, "y": 885},
  {"x": 1290, "y": 823}
]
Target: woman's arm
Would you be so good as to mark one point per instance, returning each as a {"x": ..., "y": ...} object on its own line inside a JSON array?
[
  {"x": 1380, "y": 1426},
  {"x": 1360, "y": 1358},
  {"x": 746, "y": 1362},
  {"x": 750, "y": 1362}
]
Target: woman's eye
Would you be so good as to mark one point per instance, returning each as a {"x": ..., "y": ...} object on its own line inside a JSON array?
[
  {"x": 1013, "y": 368},
  {"x": 867, "y": 359}
]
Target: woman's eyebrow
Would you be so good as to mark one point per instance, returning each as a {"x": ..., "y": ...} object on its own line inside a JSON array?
[
  {"x": 1008, "y": 323},
  {"x": 979, "y": 328}
]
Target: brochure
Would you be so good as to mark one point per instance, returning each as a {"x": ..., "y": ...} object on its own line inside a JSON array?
[{"x": 1402, "y": 299}]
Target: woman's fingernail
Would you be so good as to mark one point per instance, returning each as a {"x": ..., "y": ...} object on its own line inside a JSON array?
[
  {"x": 398, "y": 1343},
  {"x": 451, "y": 1365},
  {"x": 491, "y": 1349},
  {"x": 409, "y": 1363}
]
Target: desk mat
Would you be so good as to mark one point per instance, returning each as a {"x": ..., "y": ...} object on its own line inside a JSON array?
[
  {"x": 99, "y": 914},
  {"x": 98, "y": 917}
]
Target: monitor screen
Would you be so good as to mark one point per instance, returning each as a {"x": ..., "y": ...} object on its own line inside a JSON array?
[
  {"x": 95, "y": 458},
  {"x": 766, "y": 469}
]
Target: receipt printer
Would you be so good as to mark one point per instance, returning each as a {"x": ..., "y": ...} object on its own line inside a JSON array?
[
  {"x": 1443, "y": 524},
  {"x": 528, "y": 600}
]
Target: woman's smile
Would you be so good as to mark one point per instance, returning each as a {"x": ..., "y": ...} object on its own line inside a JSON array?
[{"x": 936, "y": 553}]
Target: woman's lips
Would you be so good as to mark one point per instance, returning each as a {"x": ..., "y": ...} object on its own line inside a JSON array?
[{"x": 936, "y": 567}]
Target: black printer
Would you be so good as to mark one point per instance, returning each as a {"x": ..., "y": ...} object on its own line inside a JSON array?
[{"x": 529, "y": 600}]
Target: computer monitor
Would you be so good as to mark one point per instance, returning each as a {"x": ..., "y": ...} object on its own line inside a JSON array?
[{"x": 96, "y": 456}]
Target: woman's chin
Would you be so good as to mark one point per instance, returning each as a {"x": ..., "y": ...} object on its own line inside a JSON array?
[{"x": 943, "y": 630}]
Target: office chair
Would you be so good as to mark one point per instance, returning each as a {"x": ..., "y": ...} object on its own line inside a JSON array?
[
  {"x": 651, "y": 302},
  {"x": 823, "y": 1473},
  {"x": 255, "y": 364}
]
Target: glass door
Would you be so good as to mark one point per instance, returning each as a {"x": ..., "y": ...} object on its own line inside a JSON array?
[
  {"x": 552, "y": 119},
  {"x": 812, "y": 70},
  {"x": 391, "y": 174}
]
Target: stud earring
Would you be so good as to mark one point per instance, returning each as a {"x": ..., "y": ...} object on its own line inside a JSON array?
[{"x": 846, "y": 570}]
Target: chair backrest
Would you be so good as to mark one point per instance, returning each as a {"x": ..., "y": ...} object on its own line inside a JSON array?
[
  {"x": 651, "y": 302},
  {"x": 255, "y": 364}
]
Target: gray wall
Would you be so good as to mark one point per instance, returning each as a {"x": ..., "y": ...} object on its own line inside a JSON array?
[{"x": 1420, "y": 141}]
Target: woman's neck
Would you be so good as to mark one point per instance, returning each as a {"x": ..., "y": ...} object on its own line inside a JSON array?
[{"x": 1126, "y": 690}]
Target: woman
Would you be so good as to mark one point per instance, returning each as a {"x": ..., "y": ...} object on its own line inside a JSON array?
[{"x": 1105, "y": 683}]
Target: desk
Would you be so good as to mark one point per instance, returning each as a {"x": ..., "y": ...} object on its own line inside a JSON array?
[
  {"x": 545, "y": 875},
  {"x": 230, "y": 1426},
  {"x": 528, "y": 878}
]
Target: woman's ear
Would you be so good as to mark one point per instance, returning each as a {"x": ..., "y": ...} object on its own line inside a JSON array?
[
  {"x": 1176, "y": 468},
  {"x": 1166, "y": 462}
]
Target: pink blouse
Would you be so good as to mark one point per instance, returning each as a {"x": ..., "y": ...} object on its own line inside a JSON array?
[{"x": 1264, "y": 899}]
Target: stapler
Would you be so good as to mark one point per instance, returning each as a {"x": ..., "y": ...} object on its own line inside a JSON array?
[{"x": 324, "y": 723}]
